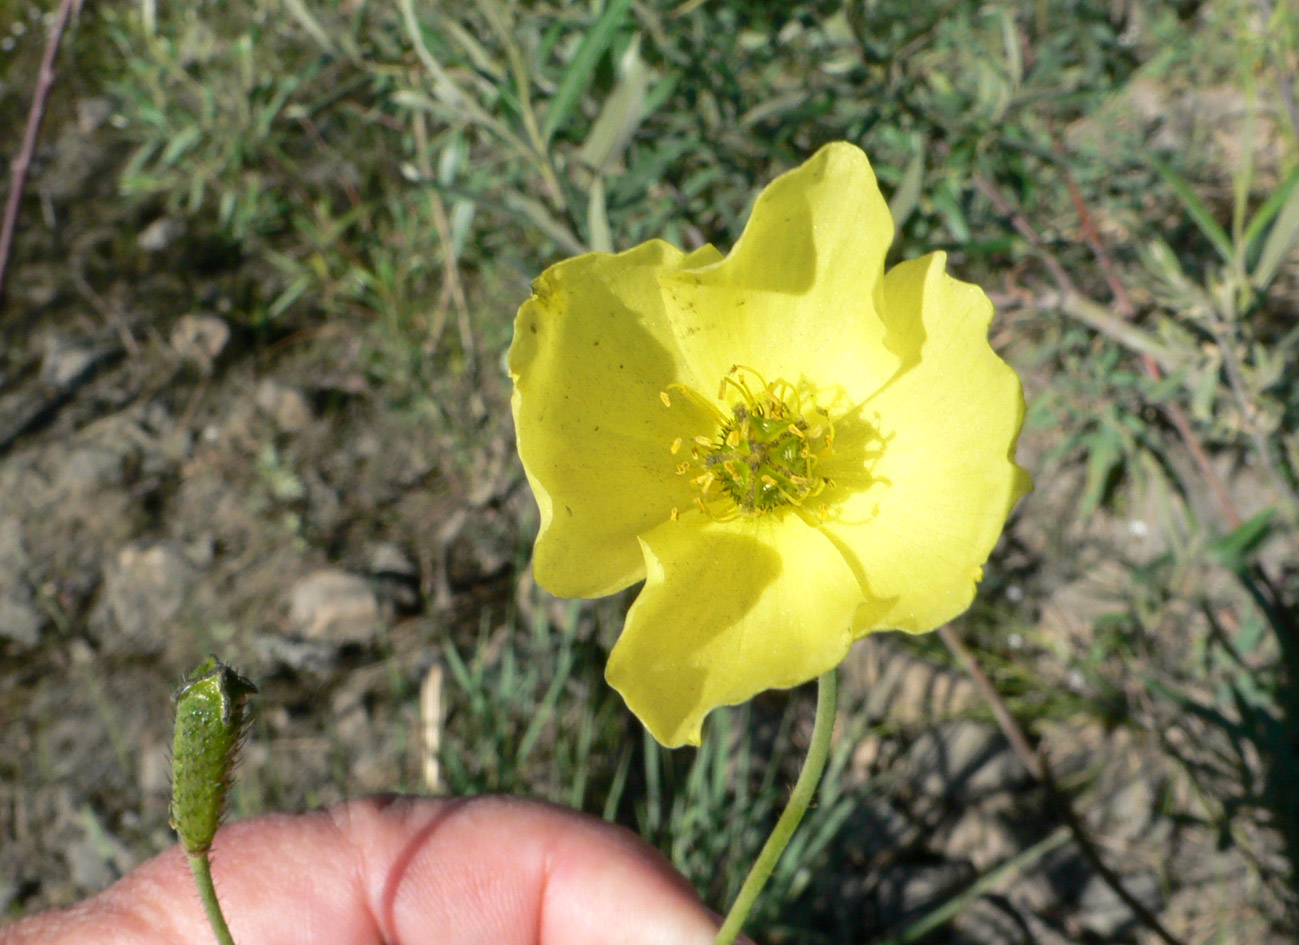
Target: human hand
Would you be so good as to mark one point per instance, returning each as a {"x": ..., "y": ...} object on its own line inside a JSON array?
[{"x": 393, "y": 871}]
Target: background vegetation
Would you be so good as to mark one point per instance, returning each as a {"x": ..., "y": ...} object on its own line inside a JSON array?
[{"x": 358, "y": 194}]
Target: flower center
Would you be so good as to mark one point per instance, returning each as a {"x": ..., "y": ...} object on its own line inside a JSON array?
[{"x": 765, "y": 453}]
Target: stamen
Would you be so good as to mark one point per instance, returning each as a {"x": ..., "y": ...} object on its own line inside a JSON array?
[{"x": 764, "y": 454}]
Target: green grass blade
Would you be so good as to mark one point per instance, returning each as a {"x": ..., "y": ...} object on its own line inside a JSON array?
[
  {"x": 1269, "y": 209},
  {"x": 578, "y": 76},
  {"x": 613, "y": 796},
  {"x": 1199, "y": 213},
  {"x": 985, "y": 883},
  {"x": 1280, "y": 242},
  {"x": 620, "y": 115},
  {"x": 907, "y": 196}
]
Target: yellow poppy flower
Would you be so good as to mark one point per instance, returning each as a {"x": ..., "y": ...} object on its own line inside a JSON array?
[{"x": 791, "y": 447}]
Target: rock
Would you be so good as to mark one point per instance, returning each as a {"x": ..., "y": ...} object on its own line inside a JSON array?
[
  {"x": 159, "y": 234},
  {"x": 480, "y": 552},
  {"x": 387, "y": 559},
  {"x": 200, "y": 339},
  {"x": 68, "y": 362},
  {"x": 892, "y": 682},
  {"x": 309, "y": 657},
  {"x": 335, "y": 606},
  {"x": 144, "y": 591},
  {"x": 983, "y": 835},
  {"x": 983, "y": 923},
  {"x": 87, "y": 868},
  {"x": 962, "y": 761},
  {"x": 21, "y": 622},
  {"x": 98, "y": 857},
  {"x": 87, "y": 468},
  {"x": 285, "y": 405},
  {"x": 878, "y": 825},
  {"x": 154, "y": 772},
  {"x": 1130, "y": 810},
  {"x": 1102, "y": 911},
  {"x": 906, "y": 891},
  {"x": 395, "y": 575}
]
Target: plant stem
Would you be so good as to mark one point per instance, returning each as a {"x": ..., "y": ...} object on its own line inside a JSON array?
[
  {"x": 201, "y": 867},
  {"x": 800, "y": 799},
  {"x": 21, "y": 163}
]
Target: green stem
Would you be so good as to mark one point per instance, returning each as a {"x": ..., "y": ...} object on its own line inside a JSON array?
[
  {"x": 799, "y": 800},
  {"x": 201, "y": 867}
]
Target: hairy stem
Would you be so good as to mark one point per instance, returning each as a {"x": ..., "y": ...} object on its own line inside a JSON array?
[
  {"x": 201, "y": 867},
  {"x": 827, "y": 688}
]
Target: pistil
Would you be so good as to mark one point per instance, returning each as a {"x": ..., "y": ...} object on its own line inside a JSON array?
[{"x": 765, "y": 452}]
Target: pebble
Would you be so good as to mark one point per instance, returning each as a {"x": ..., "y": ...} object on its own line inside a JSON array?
[
  {"x": 87, "y": 468},
  {"x": 310, "y": 657},
  {"x": 907, "y": 891},
  {"x": 962, "y": 760},
  {"x": 87, "y": 868},
  {"x": 1103, "y": 913},
  {"x": 69, "y": 361},
  {"x": 145, "y": 588},
  {"x": 159, "y": 234},
  {"x": 1130, "y": 809},
  {"x": 395, "y": 575},
  {"x": 21, "y": 622},
  {"x": 200, "y": 339},
  {"x": 335, "y": 606},
  {"x": 285, "y": 405},
  {"x": 387, "y": 558}
]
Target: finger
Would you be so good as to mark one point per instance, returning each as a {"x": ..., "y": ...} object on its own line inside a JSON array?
[{"x": 396, "y": 871}]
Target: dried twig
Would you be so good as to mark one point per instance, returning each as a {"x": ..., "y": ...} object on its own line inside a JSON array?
[
  {"x": 35, "y": 115},
  {"x": 1041, "y": 772}
]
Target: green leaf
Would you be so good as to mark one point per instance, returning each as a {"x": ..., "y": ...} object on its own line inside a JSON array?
[
  {"x": 1199, "y": 213},
  {"x": 179, "y": 145},
  {"x": 1104, "y": 455},
  {"x": 1236, "y": 549},
  {"x": 1270, "y": 208},
  {"x": 620, "y": 115},
  {"x": 579, "y": 72},
  {"x": 1282, "y": 237},
  {"x": 907, "y": 196}
]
